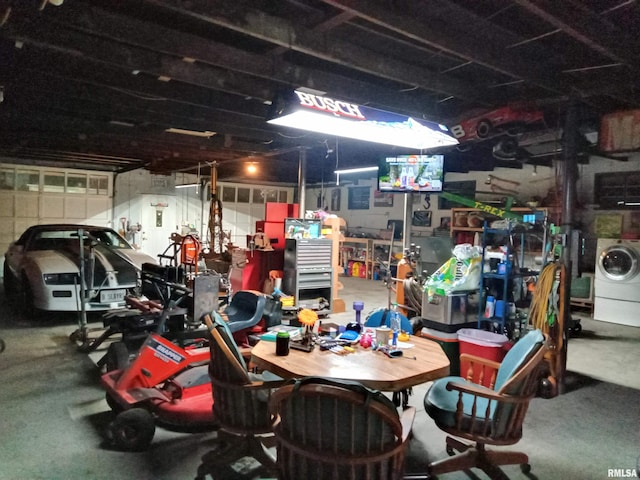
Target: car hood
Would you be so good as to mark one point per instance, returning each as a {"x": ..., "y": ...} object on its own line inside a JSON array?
[{"x": 112, "y": 267}]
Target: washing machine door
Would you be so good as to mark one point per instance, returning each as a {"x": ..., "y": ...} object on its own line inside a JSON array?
[{"x": 618, "y": 263}]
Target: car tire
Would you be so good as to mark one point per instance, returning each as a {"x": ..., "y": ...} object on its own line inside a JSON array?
[
  {"x": 25, "y": 302},
  {"x": 9, "y": 282},
  {"x": 484, "y": 128},
  {"x": 132, "y": 430},
  {"x": 117, "y": 357}
]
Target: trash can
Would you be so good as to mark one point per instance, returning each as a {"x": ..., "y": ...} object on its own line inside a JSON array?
[
  {"x": 482, "y": 344},
  {"x": 449, "y": 344}
]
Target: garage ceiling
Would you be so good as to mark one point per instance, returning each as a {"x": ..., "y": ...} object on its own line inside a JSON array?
[{"x": 96, "y": 83}]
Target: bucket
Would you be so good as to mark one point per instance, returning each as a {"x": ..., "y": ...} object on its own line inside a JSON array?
[{"x": 482, "y": 344}]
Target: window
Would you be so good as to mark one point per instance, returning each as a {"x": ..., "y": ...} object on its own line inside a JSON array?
[
  {"x": 228, "y": 194},
  {"x": 28, "y": 180},
  {"x": 359, "y": 198},
  {"x": 53, "y": 182},
  {"x": 271, "y": 195},
  {"x": 282, "y": 196},
  {"x": 7, "y": 179},
  {"x": 617, "y": 191},
  {"x": 76, "y": 183},
  {"x": 244, "y": 195},
  {"x": 258, "y": 197},
  {"x": 98, "y": 185}
]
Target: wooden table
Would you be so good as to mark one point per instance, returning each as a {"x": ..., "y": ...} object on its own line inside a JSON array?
[{"x": 371, "y": 368}]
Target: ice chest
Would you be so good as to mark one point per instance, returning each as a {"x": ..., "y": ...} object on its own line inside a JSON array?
[
  {"x": 450, "y": 309},
  {"x": 482, "y": 344},
  {"x": 449, "y": 344}
]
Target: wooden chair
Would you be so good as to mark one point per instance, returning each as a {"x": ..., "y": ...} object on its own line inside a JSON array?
[
  {"x": 329, "y": 429},
  {"x": 240, "y": 405},
  {"x": 485, "y": 415}
]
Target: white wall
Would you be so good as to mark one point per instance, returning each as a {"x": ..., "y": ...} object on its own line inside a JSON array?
[
  {"x": 546, "y": 183},
  {"x": 139, "y": 195}
]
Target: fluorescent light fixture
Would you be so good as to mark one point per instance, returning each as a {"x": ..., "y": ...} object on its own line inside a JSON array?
[
  {"x": 187, "y": 185},
  {"x": 355, "y": 170},
  {"x": 193, "y": 133},
  {"x": 352, "y": 170},
  {"x": 307, "y": 111},
  {"x": 120, "y": 123}
]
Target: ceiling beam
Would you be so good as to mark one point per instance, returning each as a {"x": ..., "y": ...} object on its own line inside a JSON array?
[
  {"x": 589, "y": 29},
  {"x": 283, "y": 33}
]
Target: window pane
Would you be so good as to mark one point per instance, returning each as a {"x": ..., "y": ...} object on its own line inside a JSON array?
[
  {"x": 244, "y": 195},
  {"x": 76, "y": 183},
  {"x": 229, "y": 194},
  {"x": 28, "y": 180},
  {"x": 7, "y": 179},
  {"x": 99, "y": 185},
  {"x": 258, "y": 196},
  {"x": 271, "y": 195},
  {"x": 282, "y": 196},
  {"x": 53, "y": 182}
]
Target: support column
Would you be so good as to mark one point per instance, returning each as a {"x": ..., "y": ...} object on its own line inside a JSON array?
[
  {"x": 302, "y": 171},
  {"x": 569, "y": 178}
]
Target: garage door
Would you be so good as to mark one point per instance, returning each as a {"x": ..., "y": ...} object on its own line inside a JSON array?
[{"x": 39, "y": 195}]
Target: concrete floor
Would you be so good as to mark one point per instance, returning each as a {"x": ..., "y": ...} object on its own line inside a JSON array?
[{"x": 53, "y": 412}]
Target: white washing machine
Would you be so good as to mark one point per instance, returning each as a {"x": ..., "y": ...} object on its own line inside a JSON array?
[{"x": 617, "y": 282}]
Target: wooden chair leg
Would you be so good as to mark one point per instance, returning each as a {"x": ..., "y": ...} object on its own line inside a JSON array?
[{"x": 462, "y": 461}]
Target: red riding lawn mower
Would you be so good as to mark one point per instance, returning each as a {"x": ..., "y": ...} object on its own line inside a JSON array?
[{"x": 168, "y": 383}]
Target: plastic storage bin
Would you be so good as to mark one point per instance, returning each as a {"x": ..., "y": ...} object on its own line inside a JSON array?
[{"x": 482, "y": 344}]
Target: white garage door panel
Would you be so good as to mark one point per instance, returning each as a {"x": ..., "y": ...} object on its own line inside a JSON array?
[
  {"x": 51, "y": 207},
  {"x": 6, "y": 205},
  {"x": 75, "y": 208},
  {"x": 26, "y": 206},
  {"x": 98, "y": 210}
]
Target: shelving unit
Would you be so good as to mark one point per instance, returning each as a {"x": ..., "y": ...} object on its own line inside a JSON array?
[
  {"x": 502, "y": 277},
  {"x": 308, "y": 272},
  {"x": 466, "y": 233},
  {"x": 349, "y": 246},
  {"x": 383, "y": 247},
  {"x": 333, "y": 229}
]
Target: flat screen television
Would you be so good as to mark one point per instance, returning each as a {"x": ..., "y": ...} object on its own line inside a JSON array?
[{"x": 411, "y": 173}]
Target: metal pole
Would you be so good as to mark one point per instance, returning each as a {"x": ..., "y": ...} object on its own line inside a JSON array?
[
  {"x": 83, "y": 288},
  {"x": 406, "y": 229},
  {"x": 302, "y": 170},
  {"x": 569, "y": 178}
]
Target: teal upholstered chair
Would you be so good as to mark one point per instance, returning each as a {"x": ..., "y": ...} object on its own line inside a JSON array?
[
  {"x": 337, "y": 430},
  {"x": 240, "y": 405},
  {"x": 485, "y": 415}
]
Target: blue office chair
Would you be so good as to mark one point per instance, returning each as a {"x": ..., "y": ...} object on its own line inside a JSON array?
[{"x": 485, "y": 415}]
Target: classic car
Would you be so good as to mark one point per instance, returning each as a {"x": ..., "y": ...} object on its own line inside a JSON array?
[
  {"x": 482, "y": 125},
  {"x": 42, "y": 268}
]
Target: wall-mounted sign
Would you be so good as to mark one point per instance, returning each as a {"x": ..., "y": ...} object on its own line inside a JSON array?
[{"x": 620, "y": 131}]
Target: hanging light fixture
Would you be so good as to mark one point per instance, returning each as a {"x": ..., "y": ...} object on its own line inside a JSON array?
[{"x": 308, "y": 111}]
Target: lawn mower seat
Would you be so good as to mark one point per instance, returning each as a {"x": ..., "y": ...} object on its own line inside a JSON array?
[{"x": 245, "y": 310}]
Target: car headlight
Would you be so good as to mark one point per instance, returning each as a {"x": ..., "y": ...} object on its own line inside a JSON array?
[{"x": 61, "y": 278}]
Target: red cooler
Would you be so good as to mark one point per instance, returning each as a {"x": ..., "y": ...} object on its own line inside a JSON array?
[{"x": 481, "y": 344}]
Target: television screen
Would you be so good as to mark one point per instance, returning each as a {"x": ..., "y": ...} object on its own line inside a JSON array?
[
  {"x": 411, "y": 173},
  {"x": 302, "y": 228}
]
